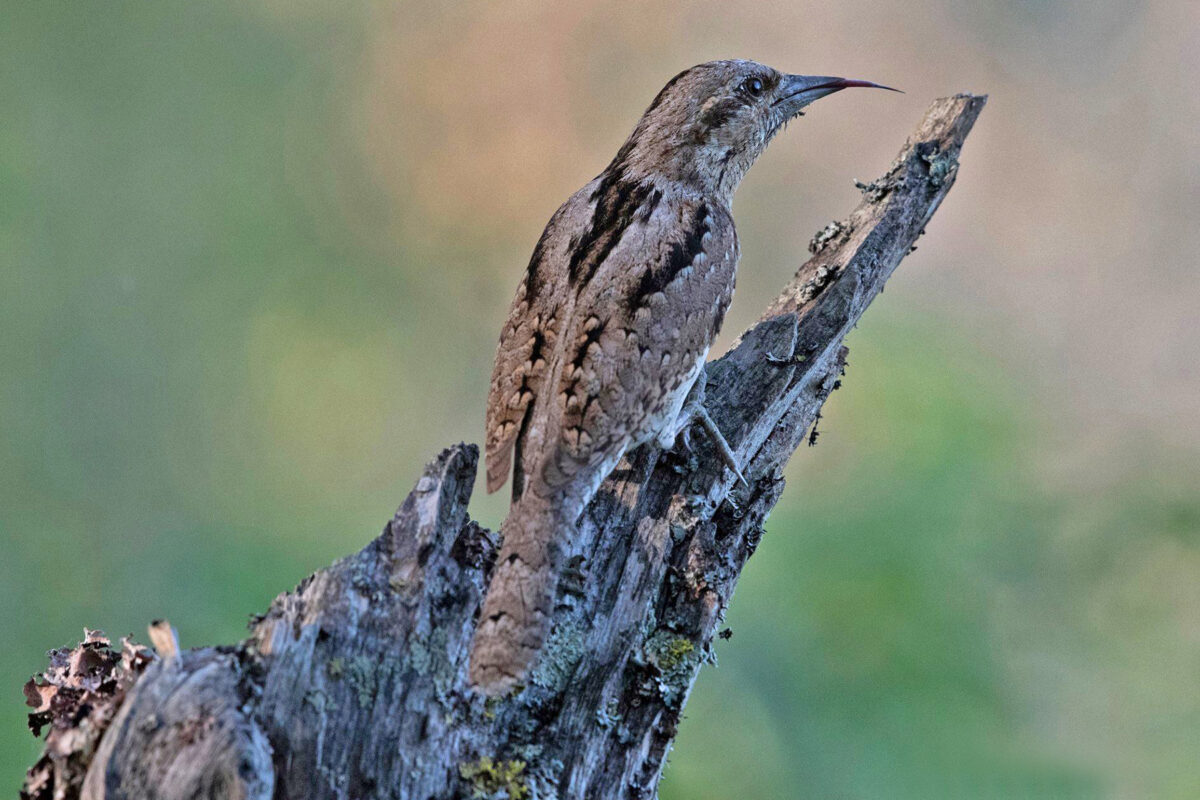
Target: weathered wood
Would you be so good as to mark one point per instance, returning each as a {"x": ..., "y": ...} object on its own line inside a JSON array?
[{"x": 354, "y": 685}]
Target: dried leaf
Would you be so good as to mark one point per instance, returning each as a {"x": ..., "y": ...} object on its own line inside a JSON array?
[
  {"x": 39, "y": 695},
  {"x": 77, "y": 697}
]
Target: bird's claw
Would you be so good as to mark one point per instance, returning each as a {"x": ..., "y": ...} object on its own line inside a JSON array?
[
  {"x": 683, "y": 449},
  {"x": 723, "y": 448},
  {"x": 694, "y": 412}
]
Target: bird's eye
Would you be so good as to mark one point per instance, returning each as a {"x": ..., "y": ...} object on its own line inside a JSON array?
[{"x": 753, "y": 86}]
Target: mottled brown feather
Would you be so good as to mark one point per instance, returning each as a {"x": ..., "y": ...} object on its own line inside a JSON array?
[{"x": 609, "y": 330}]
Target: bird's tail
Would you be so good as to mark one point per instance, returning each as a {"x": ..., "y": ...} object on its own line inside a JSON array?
[{"x": 517, "y": 609}]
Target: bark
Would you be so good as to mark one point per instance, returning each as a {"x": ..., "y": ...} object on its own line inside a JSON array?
[{"x": 354, "y": 684}]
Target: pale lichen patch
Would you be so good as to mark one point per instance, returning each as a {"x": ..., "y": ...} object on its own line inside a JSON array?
[{"x": 560, "y": 656}]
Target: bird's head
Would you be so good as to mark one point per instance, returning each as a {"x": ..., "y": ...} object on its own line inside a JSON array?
[{"x": 710, "y": 122}]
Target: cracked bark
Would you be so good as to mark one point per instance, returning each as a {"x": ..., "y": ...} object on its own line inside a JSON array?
[{"x": 354, "y": 684}]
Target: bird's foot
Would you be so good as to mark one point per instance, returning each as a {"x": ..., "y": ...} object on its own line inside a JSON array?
[
  {"x": 684, "y": 452},
  {"x": 718, "y": 439},
  {"x": 694, "y": 413}
]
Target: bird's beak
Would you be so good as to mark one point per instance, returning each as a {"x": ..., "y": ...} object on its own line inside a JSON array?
[{"x": 797, "y": 91}]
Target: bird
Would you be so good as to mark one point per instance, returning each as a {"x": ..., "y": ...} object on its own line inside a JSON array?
[{"x": 605, "y": 342}]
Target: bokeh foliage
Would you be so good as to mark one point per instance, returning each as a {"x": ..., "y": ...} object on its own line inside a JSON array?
[{"x": 253, "y": 258}]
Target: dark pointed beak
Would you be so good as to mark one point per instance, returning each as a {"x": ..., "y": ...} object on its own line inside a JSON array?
[{"x": 797, "y": 91}]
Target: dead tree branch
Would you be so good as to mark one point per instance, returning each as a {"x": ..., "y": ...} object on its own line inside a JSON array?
[{"x": 354, "y": 684}]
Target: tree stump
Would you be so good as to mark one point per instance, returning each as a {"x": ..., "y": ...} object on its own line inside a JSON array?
[{"x": 354, "y": 684}]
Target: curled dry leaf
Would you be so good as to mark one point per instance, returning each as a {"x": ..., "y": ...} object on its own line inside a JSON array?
[{"x": 76, "y": 697}]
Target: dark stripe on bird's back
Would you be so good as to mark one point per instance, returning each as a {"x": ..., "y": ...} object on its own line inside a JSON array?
[
  {"x": 532, "y": 273},
  {"x": 618, "y": 202},
  {"x": 530, "y": 383},
  {"x": 680, "y": 256}
]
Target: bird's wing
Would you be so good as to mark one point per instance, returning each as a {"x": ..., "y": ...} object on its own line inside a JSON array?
[
  {"x": 527, "y": 353},
  {"x": 577, "y": 243},
  {"x": 641, "y": 330},
  {"x": 521, "y": 358}
]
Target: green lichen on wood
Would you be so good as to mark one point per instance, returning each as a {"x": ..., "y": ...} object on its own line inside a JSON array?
[
  {"x": 489, "y": 707},
  {"x": 941, "y": 167},
  {"x": 607, "y": 716},
  {"x": 674, "y": 651},
  {"x": 360, "y": 672},
  {"x": 319, "y": 701},
  {"x": 427, "y": 657},
  {"x": 418, "y": 658},
  {"x": 560, "y": 655},
  {"x": 490, "y": 779},
  {"x": 675, "y": 659},
  {"x": 361, "y": 675}
]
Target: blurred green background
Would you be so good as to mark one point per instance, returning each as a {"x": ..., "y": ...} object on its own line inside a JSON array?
[{"x": 254, "y": 257}]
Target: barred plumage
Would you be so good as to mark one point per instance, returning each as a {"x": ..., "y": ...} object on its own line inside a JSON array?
[{"x": 609, "y": 330}]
